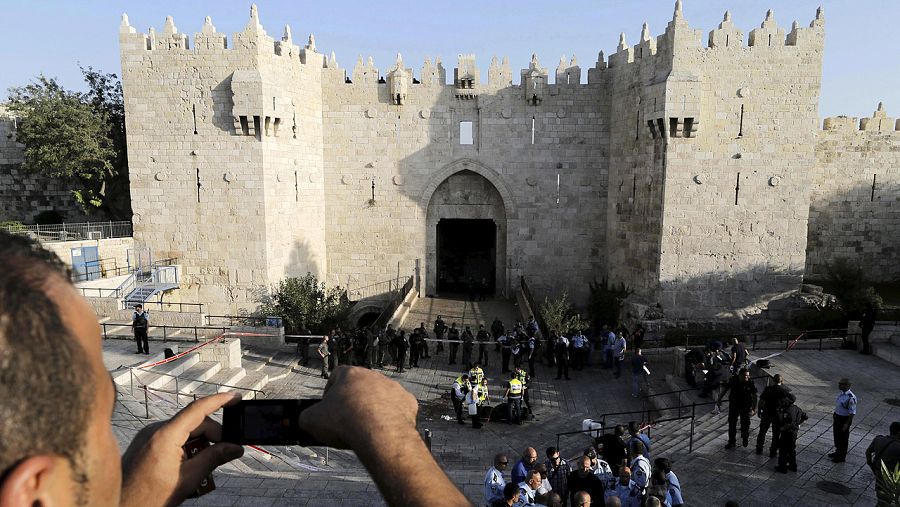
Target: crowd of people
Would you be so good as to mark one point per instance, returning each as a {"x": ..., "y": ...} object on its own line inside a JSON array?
[{"x": 616, "y": 470}]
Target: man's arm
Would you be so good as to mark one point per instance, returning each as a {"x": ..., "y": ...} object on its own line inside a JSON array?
[{"x": 385, "y": 439}]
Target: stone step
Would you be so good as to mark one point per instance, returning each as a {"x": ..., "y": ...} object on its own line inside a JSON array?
[
  {"x": 252, "y": 380},
  {"x": 224, "y": 377},
  {"x": 162, "y": 374},
  {"x": 888, "y": 351}
]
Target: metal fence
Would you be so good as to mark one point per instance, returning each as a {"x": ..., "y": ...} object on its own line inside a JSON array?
[
  {"x": 389, "y": 310},
  {"x": 384, "y": 288},
  {"x": 74, "y": 232}
]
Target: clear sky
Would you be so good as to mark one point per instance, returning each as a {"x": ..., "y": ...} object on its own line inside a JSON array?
[{"x": 861, "y": 65}]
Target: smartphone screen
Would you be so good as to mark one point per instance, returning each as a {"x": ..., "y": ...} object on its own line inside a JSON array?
[{"x": 266, "y": 422}]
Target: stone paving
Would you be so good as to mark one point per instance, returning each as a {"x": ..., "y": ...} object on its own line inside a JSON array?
[{"x": 709, "y": 475}]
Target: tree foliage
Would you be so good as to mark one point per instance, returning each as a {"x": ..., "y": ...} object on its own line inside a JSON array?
[
  {"x": 887, "y": 484},
  {"x": 306, "y": 302},
  {"x": 560, "y": 316},
  {"x": 606, "y": 302},
  {"x": 78, "y": 137}
]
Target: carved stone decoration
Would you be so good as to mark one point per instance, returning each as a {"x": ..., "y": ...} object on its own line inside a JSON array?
[
  {"x": 228, "y": 177},
  {"x": 743, "y": 92},
  {"x": 346, "y": 179},
  {"x": 774, "y": 181},
  {"x": 506, "y": 113},
  {"x": 312, "y": 177},
  {"x": 399, "y": 79},
  {"x": 561, "y": 113},
  {"x": 698, "y": 179},
  {"x": 397, "y": 180},
  {"x": 531, "y": 181},
  {"x": 371, "y": 113},
  {"x": 534, "y": 82},
  {"x": 425, "y": 114},
  {"x": 278, "y": 178},
  {"x": 161, "y": 176}
]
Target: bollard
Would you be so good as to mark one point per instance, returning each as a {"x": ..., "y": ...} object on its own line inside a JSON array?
[
  {"x": 177, "y": 397},
  {"x": 427, "y": 438},
  {"x": 146, "y": 402}
]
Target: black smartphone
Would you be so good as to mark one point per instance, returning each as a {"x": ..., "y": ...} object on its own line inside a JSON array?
[{"x": 266, "y": 422}]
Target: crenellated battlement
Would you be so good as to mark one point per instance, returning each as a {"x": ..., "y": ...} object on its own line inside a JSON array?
[{"x": 878, "y": 122}]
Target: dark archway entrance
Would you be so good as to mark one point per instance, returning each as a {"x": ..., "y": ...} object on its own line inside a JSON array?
[{"x": 466, "y": 255}]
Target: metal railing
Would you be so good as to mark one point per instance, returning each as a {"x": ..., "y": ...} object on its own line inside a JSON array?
[
  {"x": 104, "y": 270},
  {"x": 385, "y": 287},
  {"x": 645, "y": 414},
  {"x": 166, "y": 331},
  {"x": 165, "y": 306},
  {"x": 177, "y": 392},
  {"x": 74, "y": 232},
  {"x": 98, "y": 292},
  {"x": 536, "y": 310},
  {"x": 394, "y": 303},
  {"x": 238, "y": 320},
  {"x": 758, "y": 341}
]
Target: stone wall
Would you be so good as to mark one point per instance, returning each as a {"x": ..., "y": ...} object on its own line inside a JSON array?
[
  {"x": 855, "y": 206},
  {"x": 545, "y": 160},
  {"x": 24, "y": 196},
  {"x": 741, "y": 137}
]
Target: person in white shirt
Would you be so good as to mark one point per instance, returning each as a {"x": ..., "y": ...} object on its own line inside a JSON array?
[
  {"x": 619, "y": 353},
  {"x": 579, "y": 350},
  {"x": 545, "y": 486},
  {"x": 494, "y": 481},
  {"x": 640, "y": 466},
  {"x": 528, "y": 488}
]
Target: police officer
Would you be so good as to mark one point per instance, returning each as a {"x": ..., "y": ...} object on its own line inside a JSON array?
[
  {"x": 453, "y": 338},
  {"x": 844, "y": 410},
  {"x": 561, "y": 351},
  {"x": 514, "y": 392},
  {"x": 439, "y": 329},
  {"x": 482, "y": 338},
  {"x": 458, "y": 392},
  {"x": 525, "y": 379},
  {"x": 791, "y": 417},
  {"x": 742, "y": 403},
  {"x": 772, "y": 401},
  {"x": 468, "y": 340},
  {"x": 505, "y": 350},
  {"x": 476, "y": 374}
]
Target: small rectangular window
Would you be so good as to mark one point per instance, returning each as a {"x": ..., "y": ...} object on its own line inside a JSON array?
[
  {"x": 532, "y": 130},
  {"x": 465, "y": 133}
]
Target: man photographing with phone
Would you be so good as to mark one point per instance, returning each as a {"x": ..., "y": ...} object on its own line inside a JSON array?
[{"x": 57, "y": 445}]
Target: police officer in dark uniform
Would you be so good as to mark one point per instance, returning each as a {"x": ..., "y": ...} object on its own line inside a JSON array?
[
  {"x": 742, "y": 403},
  {"x": 791, "y": 416},
  {"x": 439, "y": 329},
  {"x": 453, "y": 338},
  {"x": 772, "y": 402}
]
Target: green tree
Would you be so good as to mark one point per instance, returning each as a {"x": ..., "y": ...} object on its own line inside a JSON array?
[
  {"x": 560, "y": 316},
  {"x": 306, "y": 302},
  {"x": 78, "y": 137}
]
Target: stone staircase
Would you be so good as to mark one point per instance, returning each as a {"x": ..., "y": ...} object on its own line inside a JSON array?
[
  {"x": 202, "y": 378},
  {"x": 888, "y": 350}
]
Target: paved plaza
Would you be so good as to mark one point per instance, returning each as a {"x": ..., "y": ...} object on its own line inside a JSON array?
[{"x": 709, "y": 475}]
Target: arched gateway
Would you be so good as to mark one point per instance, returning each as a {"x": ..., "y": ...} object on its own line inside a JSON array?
[{"x": 466, "y": 230}]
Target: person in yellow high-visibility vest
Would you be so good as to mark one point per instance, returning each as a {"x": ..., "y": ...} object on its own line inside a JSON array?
[
  {"x": 476, "y": 374},
  {"x": 514, "y": 392},
  {"x": 458, "y": 392}
]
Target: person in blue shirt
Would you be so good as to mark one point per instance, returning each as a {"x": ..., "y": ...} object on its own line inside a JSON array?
[
  {"x": 524, "y": 465},
  {"x": 673, "y": 493},
  {"x": 634, "y": 430}
]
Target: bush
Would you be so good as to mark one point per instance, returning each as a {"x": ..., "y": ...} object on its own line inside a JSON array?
[
  {"x": 12, "y": 226},
  {"x": 606, "y": 302},
  {"x": 305, "y": 302},
  {"x": 560, "y": 316}
]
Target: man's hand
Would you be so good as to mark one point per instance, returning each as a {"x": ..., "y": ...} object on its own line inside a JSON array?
[
  {"x": 369, "y": 406},
  {"x": 154, "y": 469}
]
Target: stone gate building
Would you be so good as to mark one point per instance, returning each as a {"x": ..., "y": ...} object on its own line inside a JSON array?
[{"x": 691, "y": 168}]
